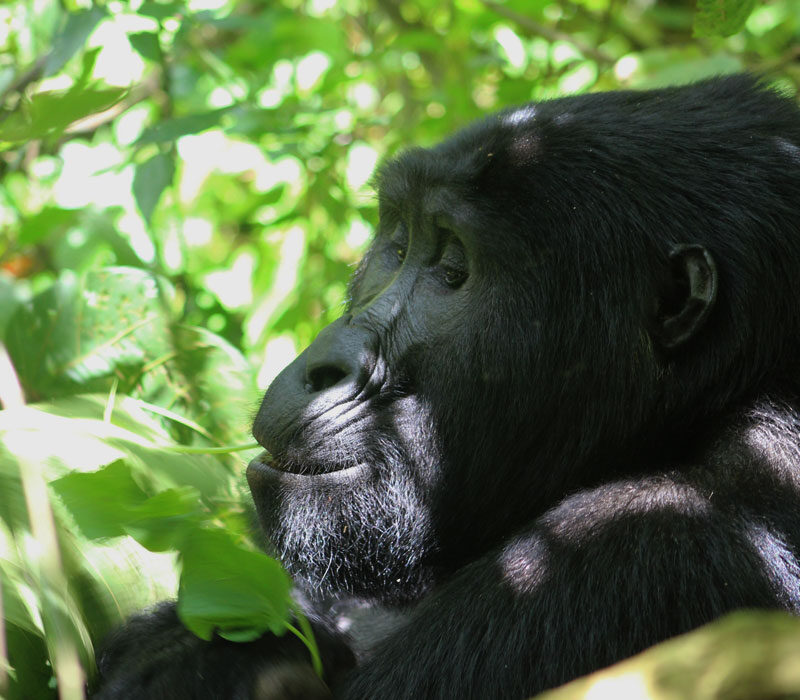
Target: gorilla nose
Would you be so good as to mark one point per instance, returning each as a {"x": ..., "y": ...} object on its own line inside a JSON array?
[
  {"x": 334, "y": 369},
  {"x": 340, "y": 355}
]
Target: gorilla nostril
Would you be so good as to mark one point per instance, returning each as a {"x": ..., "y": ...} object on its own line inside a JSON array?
[{"x": 321, "y": 378}]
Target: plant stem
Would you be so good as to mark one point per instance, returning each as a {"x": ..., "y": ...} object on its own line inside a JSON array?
[
  {"x": 225, "y": 449},
  {"x": 307, "y": 637}
]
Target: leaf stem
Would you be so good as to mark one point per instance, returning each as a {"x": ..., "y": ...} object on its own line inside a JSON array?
[
  {"x": 307, "y": 637},
  {"x": 225, "y": 449}
]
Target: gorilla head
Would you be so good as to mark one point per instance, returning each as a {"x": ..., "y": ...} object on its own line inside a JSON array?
[{"x": 557, "y": 295}]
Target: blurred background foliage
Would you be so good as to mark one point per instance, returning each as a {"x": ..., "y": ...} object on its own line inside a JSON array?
[{"x": 184, "y": 189}]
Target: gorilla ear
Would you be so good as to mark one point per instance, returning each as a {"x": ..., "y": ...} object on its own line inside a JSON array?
[{"x": 688, "y": 296}]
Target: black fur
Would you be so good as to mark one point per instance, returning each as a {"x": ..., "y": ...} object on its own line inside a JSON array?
[{"x": 559, "y": 420}]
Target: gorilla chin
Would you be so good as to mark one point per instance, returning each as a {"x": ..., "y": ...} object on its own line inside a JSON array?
[{"x": 321, "y": 524}]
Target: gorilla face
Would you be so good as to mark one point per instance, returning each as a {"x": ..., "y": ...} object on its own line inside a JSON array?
[
  {"x": 365, "y": 427},
  {"x": 356, "y": 426},
  {"x": 505, "y": 344}
]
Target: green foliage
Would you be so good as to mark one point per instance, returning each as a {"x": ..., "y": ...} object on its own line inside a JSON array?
[
  {"x": 229, "y": 588},
  {"x": 151, "y": 179},
  {"x": 114, "y": 478},
  {"x": 71, "y": 38},
  {"x": 49, "y": 113},
  {"x": 183, "y": 194},
  {"x": 722, "y": 17}
]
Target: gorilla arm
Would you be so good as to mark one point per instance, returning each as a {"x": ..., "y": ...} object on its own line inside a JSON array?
[{"x": 600, "y": 577}]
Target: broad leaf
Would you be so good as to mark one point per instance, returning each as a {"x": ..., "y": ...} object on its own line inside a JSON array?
[
  {"x": 49, "y": 113},
  {"x": 146, "y": 45},
  {"x": 79, "y": 330},
  {"x": 101, "y": 502},
  {"x": 151, "y": 179},
  {"x": 171, "y": 129},
  {"x": 47, "y": 222},
  {"x": 722, "y": 17},
  {"x": 164, "y": 521},
  {"x": 72, "y": 37},
  {"x": 226, "y": 588}
]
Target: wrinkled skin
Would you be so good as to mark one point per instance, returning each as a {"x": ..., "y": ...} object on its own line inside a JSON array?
[{"x": 557, "y": 422}]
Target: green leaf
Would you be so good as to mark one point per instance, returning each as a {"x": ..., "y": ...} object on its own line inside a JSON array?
[
  {"x": 95, "y": 241},
  {"x": 49, "y": 113},
  {"x": 72, "y": 37},
  {"x": 171, "y": 129},
  {"x": 15, "y": 611},
  {"x": 88, "y": 62},
  {"x": 115, "y": 324},
  {"x": 109, "y": 503},
  {"x": 8, "y": 301},
  {"x": 210, "y": 379},
  {"x": 39, "y": 333},
  {"x": 243, "y": 635},
  {"x": 31, "y": 673},
  {"x": 160, "y": 10},
  {"x": 129, "y": 414},
  {"x": 227, "y": 588},
  {"x": 48, "y": 221},
  {"x": 146, "y": 45},
  {"x": 164, "y": 521},
  {"x": 151, "y": 179},
  {"x": 721, "y": 17},
  {"x": 60, "y": 443},
  {"x": 79, "y": 330},
  {"x": 69, "y": 434},
  {"x": 101, "y": 502}
]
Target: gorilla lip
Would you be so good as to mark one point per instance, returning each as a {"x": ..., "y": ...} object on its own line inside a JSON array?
[{"x": 260, "y": 470}]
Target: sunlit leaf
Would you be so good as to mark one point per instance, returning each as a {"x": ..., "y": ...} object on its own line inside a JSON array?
[
  {"x": 79, "y": 25},
  {"x": 109, "y": 502},
  {"x": 160, "y": 10},
  {"x": 49, "y": 113},
  {"x": 48, "y": 221},
  {"x": 101, "y": 501},
  {"x": 229, "y": 588},
  {"x": 151, "y": 179},
  {"x": 172, "y": 129},
  {"x": 94, "y": 457},
  {"x": 218, "y": 380},
  {"x": 146, "y": 45},
  {"x": 722, "y": 17},
  {"x": 163, "y": 521},
  {"x": 81, "y": 329}
]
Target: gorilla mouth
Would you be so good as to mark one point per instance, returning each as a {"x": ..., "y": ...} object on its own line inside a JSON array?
[{"x": 265, "y": 469}]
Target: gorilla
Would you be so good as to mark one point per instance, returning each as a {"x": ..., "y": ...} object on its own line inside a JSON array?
[{"x": 558, "y": 422}]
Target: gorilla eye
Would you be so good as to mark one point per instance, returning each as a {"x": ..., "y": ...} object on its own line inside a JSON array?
[
  {"x": 399, "y": 242},
  {"x": 454, "y": 278},
  {"x": 453, "y": 264}
]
